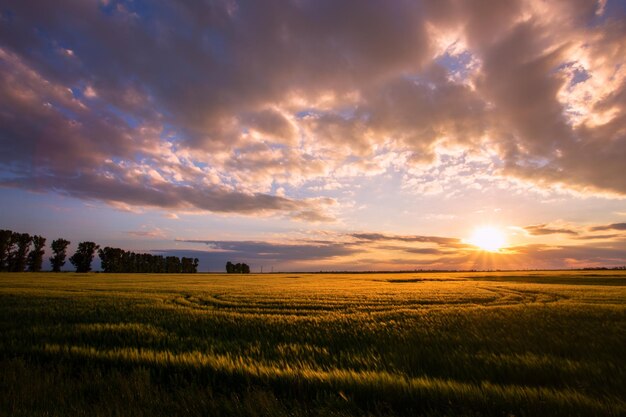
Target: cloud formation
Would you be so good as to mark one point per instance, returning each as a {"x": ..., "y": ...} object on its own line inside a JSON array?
[
  {"x": 543, "y": 229},
  {"x": 578, "y": 232},
  {"x": 258, "y": 253},
  {"x": 442, "y": 241},
  {"x": 216, "y": 106},
  {"x": 375, "y": 251},
  {"x": 613, "y": 226}
]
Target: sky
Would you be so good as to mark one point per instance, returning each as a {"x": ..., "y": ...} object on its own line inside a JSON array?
[{"x": 309, "y": 135}]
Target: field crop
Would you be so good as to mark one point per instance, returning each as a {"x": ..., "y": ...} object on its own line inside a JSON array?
[{"x": 475, "y": 344}]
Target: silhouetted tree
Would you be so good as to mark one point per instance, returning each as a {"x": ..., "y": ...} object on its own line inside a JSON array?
[
  {"x": 35, "y": 257},
  {"x": 159, "y": 264},
  {"x": 189, "y": 265},
  {"x": 147, "y": 263},
  {"x": 6, "y": 247},
  {"x": 15, "y": 256},
  {"x": 19, "y": 255},
  {"x": 172, "y": 265},
  {"x": 84, "y": 256},
  {"x": 186, "y": 265},
  {"x": 59, "y": 248},
  {"x": 111, "y": 259},
  {"x": 127, "y": 261},
  {"x": 237, "y": 268}
]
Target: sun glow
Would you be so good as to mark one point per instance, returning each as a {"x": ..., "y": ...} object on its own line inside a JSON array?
[{"x": 488, "y": 238}]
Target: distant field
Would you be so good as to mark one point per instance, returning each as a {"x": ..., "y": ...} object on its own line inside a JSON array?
[{"x": 475, "y": 344}]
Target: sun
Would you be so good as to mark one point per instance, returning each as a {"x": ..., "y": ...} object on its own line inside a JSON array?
[{"x": 488, "y": 238}]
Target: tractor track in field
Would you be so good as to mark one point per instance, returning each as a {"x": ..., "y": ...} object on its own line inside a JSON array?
[
  {"x": 512, "y": 296},
  {"x": 301, "y": 306},
  {"x": 218, "y": 302}
]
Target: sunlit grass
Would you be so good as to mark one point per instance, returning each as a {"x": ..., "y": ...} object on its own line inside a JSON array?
[{"x": 303, "y": 344}]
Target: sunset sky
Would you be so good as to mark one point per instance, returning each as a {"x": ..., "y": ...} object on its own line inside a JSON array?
[{"x": 319, "y": 134}]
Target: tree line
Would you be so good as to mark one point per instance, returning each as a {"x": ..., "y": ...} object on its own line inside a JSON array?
[
  {"x": 20, "y": 252},
  {"x": 237, "y": 268},
  {"x": 119, "y": 260},
  {"x": 16, "y": 253}
]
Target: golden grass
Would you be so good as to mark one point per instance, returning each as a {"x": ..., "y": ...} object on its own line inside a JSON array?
[{"x": 524, "y": 343}]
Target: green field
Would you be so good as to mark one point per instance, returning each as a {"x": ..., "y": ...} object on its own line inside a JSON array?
[{"x": 477, "y": 344}]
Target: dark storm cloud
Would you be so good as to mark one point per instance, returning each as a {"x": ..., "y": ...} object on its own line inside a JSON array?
[{"x": 233, "y": 97}]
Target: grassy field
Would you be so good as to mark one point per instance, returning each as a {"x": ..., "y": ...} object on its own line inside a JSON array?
[{"x": 475, "y": 344}]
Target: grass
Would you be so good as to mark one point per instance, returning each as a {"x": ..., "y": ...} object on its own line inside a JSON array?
[{"x": 475, "y": 344}]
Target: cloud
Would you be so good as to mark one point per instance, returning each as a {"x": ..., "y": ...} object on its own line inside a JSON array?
[
  {"x": 417, "y": 251},
  {"x": 546, "y": 135},
  {"x": 578, "y": 232},
  {"x": 258, "y": 251},
  {"x": 145, "y": 232},
  {"x": 343, "y": 252},
  {"x": 143, "y": 192},
  {"x": 312, "y": 216},
  {"x": 574, "y": 256},
  {"x": 614, "y": 226},
  {"x": 611, "y": 236},
  {"x": 215, "y": 108},
  {"x": 369, "y": 254},
  {"x": 271, "y": 124},
  {"x": 543, "y": 229},
  {"x": 443, "y": 241}
]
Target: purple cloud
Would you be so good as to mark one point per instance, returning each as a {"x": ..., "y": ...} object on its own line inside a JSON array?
[{"x": 215, "y": 107}]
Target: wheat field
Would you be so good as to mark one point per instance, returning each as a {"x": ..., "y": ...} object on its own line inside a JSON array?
[{"x": 464, "y": 343}]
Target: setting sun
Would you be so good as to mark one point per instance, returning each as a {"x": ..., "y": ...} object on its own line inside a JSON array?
[{"x": 488, "y": 238}]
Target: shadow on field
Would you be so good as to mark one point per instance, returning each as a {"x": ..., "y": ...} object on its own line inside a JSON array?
[{"x": 552, "y": 279}]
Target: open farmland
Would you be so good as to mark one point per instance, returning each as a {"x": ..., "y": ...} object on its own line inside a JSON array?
[{"x": 519, "y": 343}]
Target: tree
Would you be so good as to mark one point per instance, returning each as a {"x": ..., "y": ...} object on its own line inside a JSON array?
[
  {"x": 172, "y": 265},
  {"x": 6, "y": 247},
  {"x": 238, "y": 268},
  {"x": 19, "y": 255},
  {"x": 84, "y": 256},
  {"x": 112, "y": 259},
  {"x": 59, "y": 248},
  {"x": 35, "y": 257},
  {"x": 186, "y": 265}
]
